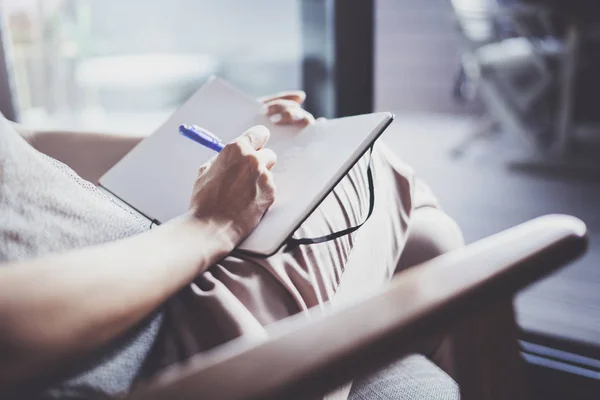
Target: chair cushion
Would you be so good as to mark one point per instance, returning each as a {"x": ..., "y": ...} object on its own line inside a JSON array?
[{"x": 413, "y": 378}]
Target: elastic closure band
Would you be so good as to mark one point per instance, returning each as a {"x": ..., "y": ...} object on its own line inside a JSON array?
[{"x": 293, "y": 242}]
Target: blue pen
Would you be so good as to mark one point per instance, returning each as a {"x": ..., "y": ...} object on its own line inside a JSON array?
[{"x": 202, "y": 136}]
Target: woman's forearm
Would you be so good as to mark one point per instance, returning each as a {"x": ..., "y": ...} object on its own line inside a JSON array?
[
  {"x": 89, "y": 154},
  {"x": 72, "y": 303}
]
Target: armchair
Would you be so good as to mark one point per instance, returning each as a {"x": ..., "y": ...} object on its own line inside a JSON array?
[{"x": 467, "y": 293}]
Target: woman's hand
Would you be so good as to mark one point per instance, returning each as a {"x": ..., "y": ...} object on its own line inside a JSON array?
[
  {"x": 236, "y": 188},
  {"x": 285, "y": 108}
]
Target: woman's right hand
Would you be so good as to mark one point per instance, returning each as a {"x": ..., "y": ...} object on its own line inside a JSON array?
[{"x": 236, "y": 188}]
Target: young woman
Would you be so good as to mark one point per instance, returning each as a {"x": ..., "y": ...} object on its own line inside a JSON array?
[{"x": 91, "y": 299}]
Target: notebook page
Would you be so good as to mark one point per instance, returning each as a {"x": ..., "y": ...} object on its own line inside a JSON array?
[{"x": 157, "y": 176}]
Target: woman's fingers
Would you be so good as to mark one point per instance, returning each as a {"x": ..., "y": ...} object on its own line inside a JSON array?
[
  {"x": 256, "y": 137},
  {"x": 250, "y": 145},
  {"x": 285, "y": 108},
  {"x": 286, "y": 112},
  {"x": 297, "y": 96},
  {"x": 307, "y": 119},
  {"x": 297, "y": 117},
  {"x": 280, "y": 105},
  {"x": 266, "y": 157},
  {"x": 284, "y": 117}
]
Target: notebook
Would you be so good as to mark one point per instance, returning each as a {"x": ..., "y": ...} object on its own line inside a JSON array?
[{"x": 156, "y": 177}]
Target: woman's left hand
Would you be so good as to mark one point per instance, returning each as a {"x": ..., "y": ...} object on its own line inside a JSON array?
[{"x": 285, "y": 108}]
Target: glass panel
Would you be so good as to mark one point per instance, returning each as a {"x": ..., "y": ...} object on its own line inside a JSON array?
[{"x": 126, "y": 65}]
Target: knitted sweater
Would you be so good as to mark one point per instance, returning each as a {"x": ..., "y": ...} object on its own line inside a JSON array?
[{"x": 46, "y": 208}]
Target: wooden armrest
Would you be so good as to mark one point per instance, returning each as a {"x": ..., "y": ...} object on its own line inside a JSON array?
[{"x": 305, "y": 357}]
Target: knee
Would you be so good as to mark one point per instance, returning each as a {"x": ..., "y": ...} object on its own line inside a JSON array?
[{"x": 431, "y": 233}]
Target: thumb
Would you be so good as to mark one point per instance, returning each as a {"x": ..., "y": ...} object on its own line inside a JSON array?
[{"x": 257, "y": 137}]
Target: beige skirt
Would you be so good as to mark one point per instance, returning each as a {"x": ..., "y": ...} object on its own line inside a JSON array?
[{"x": 242, "y": 295}]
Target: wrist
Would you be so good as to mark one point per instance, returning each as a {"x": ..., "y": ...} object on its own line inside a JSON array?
[{"x": 218, "y": 237}]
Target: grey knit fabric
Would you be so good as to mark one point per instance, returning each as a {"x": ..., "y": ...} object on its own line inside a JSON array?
[
  {"x": 412, "y": 378},
  {"x": 45, "y": 208}
]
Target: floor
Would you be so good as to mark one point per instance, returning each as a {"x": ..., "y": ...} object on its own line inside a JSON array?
[{"x": 485, "y": 195}]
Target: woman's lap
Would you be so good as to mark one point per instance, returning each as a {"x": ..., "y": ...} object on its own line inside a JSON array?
[{"x": 240, "y": 295}]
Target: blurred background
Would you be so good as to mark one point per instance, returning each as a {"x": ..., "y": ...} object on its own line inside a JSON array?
[
  {"x": 95, "y": 64},
  {"x": 496, "y": 107}
]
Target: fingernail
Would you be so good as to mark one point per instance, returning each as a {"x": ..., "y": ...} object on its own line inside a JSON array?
[
  {"x": 264, "y": 129},
  {"x": 276, "y": 118}
]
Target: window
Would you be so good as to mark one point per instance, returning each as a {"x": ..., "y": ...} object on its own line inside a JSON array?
[{"x": 126, "y": 65}]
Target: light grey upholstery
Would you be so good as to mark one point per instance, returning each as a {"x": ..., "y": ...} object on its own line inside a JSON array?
[{"x": 412, "y": 378}]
